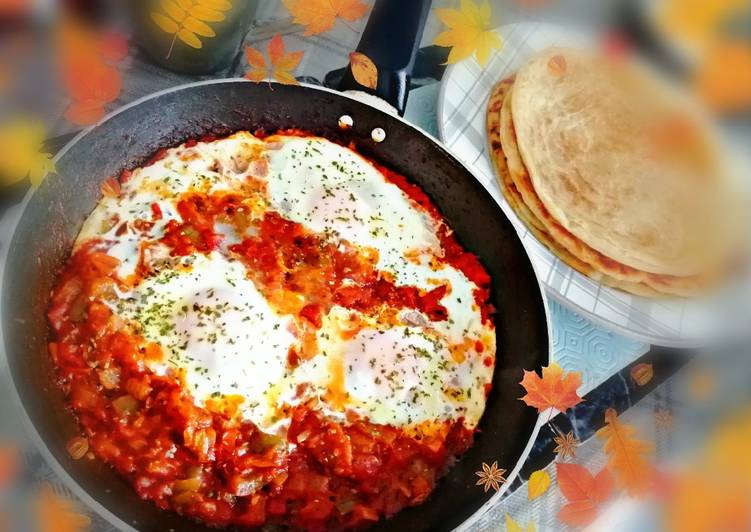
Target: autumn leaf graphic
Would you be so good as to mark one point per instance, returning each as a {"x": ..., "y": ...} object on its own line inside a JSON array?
[
  {"x": 280, "y": 66},
  {"x": 364, "y": 70},
  {"x": 556, "y": 389},
  {"x": 468, "y": 32},
  {"x": 642, "y": 373},
  {"x": 87, "y": 61},
  {"x": 91, "y": 86},
  {"x": 583, "y": 491},
  {"x": 723, "y": 78},
  {"x": 58, "y": 514},
  {"x": 626, "y": 454},
  {"x": 23, "y": 152},
  {"x": 318, "y": 16},
  {"x": 188, "y": 20},
  {"x": 513, "y": 526},
  {"x": 10, "y": 465},
  {"x": 538, "y": 483}
]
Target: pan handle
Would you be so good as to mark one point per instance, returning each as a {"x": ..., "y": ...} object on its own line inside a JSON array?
[{"x": 391, "y": 40}]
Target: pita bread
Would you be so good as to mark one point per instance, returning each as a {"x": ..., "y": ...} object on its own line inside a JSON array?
[
  {"x": 585, "y": 132},
  {"x": 514, "y": 199},
  {"x": 612, "y": 270}
]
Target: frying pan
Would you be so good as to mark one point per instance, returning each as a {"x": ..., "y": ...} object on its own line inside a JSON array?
[{"x": 53, "y": 215}]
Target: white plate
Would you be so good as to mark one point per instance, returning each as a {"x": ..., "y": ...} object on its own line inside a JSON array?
[{"x": 461, "y": 122}]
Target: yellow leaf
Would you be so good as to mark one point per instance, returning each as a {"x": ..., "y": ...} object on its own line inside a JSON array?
[
  {"x": 23, "y": 153},
  {"x": 364, "y": 70},
  {"x": 468, "y": 32},
  {"x": 189, "y": 38},
  {"x": 207, "y": 14},
  {"x": 42, "y": 167},
  {"x": 513, "y": 526},
  {"x": 626, "y": 454},
  {"x": 539, "y": 482},
  {"x": 198, "y": 27},
  {"x": 173, "y": 10},
  {"x": 220, "y": 5},
  {"x": 185, "y": 4},
  {"x": 166, "y": 24},
  {"x": 697, "y": 22}
]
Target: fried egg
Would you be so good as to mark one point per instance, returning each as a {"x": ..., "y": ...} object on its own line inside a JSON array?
[{"x": 218, "y": 330}]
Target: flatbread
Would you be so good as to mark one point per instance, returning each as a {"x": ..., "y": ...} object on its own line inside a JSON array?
[
  {"x": 616, "y": 273},
  {"x": 515, "y": 200},
  {"x": 588, "y": 131}
]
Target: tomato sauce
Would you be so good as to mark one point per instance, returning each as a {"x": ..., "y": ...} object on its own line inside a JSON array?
[{"x": 204, "y": 462}]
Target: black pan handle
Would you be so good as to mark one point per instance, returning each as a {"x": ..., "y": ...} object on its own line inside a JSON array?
[{"x": 391, "y": 40}]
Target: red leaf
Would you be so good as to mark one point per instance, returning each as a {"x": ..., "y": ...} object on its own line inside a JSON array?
[
  {"x": 603, "y": 485},
  {"x": 113, "y": 46},
  {"x": 93, "y": 81},
  {"x": 85, "y": 113},
  {"x": 578, "y": 513},
  {"x": 583, "y": 491},
  {"x": 574, "y": 481}
]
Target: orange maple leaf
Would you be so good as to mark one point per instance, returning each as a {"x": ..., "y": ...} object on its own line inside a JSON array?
[
  {"x": 280, "y": 66},
  {"x": 556, "y": 389},
  {"x": 626, "y": 454},
  {"x": 84, "y": 61},
  {"x": 58, "y": 514},
  {"x": 584, "y": 492},
  {"x": 319, "y": 16}
]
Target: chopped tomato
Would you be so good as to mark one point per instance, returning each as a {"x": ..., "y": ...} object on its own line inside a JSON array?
[{"x": 207, "y": 464}]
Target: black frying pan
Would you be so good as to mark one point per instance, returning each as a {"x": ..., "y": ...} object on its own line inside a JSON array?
[{"x": 54, "y": 213}]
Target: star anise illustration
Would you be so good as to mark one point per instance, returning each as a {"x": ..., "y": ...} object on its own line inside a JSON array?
[
  {"x": 491, "y": 476},
  {"x": 565, "y": 444}
]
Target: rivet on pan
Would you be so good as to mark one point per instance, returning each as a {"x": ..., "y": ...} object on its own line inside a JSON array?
[
  {"x": 346, "y": 122},
  {"x": 378, "y": 134}
]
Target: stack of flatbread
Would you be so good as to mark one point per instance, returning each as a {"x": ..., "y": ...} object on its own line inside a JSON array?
[{"x": 614, "y": 171}]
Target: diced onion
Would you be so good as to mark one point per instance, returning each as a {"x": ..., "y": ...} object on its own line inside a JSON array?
[
  {"x": 109, "y": 378},
  {"x": 77, "y": 447},
  {"x": 125, "y": 404}
]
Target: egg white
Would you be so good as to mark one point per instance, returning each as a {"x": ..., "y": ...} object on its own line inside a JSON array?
[{"x": 216, "y": 327}]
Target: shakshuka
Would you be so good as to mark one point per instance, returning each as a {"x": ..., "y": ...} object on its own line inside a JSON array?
[{"x": 272, "y": 330}]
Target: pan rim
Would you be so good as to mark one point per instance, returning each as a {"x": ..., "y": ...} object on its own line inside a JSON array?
[{"x": 20, "y": 209}]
